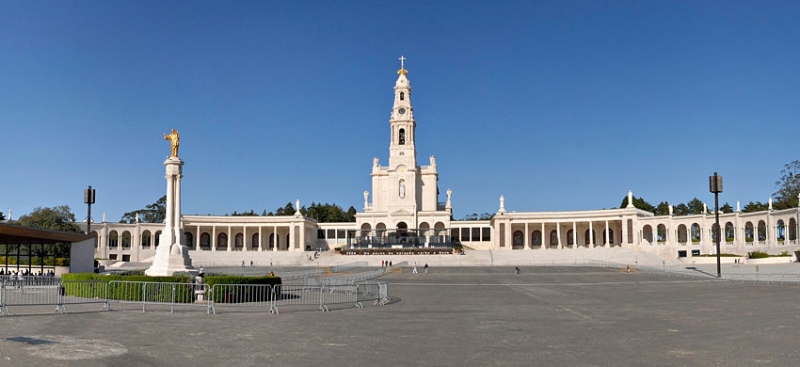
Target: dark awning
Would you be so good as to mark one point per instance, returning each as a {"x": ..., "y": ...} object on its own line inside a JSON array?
[{"x": 12, "y": 234}]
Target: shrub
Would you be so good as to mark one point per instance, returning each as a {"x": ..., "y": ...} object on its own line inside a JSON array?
[{"x": 757, "y": 255}]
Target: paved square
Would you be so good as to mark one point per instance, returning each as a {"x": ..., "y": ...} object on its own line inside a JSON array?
[{"x": 547, "y": 316}]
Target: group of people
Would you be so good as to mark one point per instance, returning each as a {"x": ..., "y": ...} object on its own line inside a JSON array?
[
  {"x": 415, "y": 268},
  {"x": 385, "y": 264},
  {"x": 17, "y": 278}
]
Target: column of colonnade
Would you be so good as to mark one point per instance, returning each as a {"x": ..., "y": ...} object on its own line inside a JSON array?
[{"x": 577, "y": 235}]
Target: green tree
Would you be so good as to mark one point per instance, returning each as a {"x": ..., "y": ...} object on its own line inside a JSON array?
[
  {"x": 726, "y": 208},
  {"x": 2, "y": 217},
  {"x": 328, "y": 213},
  {"x": 288, "y": 209},
  {"x": 638, "y": 203},
  {"x": 58, "y": 218},
  {"x": 662, "y": 208},
  {"x": 153, "y": 213},
  {"x": 695, "y": 206},
  {"x": 756, "y": 206},
  {"x": 251, "y": 213},
  {"x": 680, "y": 209},
  {"x": 788, "y": 187}
]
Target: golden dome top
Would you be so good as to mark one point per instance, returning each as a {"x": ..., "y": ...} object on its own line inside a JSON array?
[{"x": 402, "y": 71}]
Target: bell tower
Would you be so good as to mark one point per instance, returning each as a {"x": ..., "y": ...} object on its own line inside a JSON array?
[{"x": 402, "y": 150}]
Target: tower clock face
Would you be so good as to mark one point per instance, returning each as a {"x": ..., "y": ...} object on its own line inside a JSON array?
[{"x": 401, "y": 111}]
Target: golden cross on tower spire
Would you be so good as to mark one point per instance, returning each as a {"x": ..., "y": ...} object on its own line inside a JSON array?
[{"x": 402, "y": 70}]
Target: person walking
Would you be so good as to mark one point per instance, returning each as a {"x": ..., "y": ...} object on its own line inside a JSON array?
[
  {"x": 426, "y": 268},
  {"x": 415, "y": 269},
  {"x": 516, "y": 270}
]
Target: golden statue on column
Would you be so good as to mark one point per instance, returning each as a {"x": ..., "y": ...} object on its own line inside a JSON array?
[{"x": 174, "y": 141}]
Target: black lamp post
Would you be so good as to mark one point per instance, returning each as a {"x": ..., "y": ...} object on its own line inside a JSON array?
[
  {"x": 715, "y": 186},
  {"x": 88, "y": 199}
]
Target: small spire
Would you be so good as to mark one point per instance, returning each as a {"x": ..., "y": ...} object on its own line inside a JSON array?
[{"x": 402, "y": 70}]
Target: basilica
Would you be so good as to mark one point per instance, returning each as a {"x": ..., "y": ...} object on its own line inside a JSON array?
[{"x": 403, "y": 210}]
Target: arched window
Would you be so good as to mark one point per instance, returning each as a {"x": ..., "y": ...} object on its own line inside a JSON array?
[
  {"x": 748, "y": 232},
  {"x": 189, "y": 239},
  {"x": 661, "y": 233},
  {"x": 157, "y": 237},
  {"x": 519, "y": 241},
  {"x": 792, "y": 229},
  {"x": 570, "y": 240},
  {"x": 402, "y": 96},
  {"x": 553, "y": 238},
  {"x": 146, "y": 239},
  {"x": 714, "y": 232},
  {"x": 682, "y": 234},
  {"x": 239, "y": 241},
  {"x": 402, "y": 140},
  {"x": 205, "y": 241},
  {"x": 647, "y": 233},
  {"x": 780, "y": 231},
  {"x": 254, "y": 241},
  {"x": 695, "y": 233},
  {"x": 113, "y": 239},
  {"x": 536, "y": 239},
  {"x": 730, "y": 234},
  {"x": 222, "y": 240},
  {"x": 762, "y": 231}
]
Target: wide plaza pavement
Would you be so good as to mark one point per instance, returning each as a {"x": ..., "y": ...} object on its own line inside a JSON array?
[{"x": 470, "y": 316}]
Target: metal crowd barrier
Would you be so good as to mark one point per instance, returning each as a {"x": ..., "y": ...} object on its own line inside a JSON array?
[
  {"x": 59, "y": 295},
  {"x": 154, "y": 293},
  {"x": 348, "y": 279},
  {"x": 345, "y": 267},
  {"x": 30, "y": 280},
  {"x": 266, "y": 297},
  {"x": 300, "y": 274}
]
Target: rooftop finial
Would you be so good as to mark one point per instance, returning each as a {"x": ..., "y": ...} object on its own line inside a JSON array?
[{"x": 402, "y": 70}]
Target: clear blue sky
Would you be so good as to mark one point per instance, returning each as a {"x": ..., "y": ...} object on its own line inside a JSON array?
[{"x": 557, "y": 105}]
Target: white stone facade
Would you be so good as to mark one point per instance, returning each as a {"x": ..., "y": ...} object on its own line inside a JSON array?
[{"x": 405, "y": 197}]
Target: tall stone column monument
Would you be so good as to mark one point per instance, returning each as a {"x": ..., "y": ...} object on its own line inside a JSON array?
[{"x": 172, "y": 254}]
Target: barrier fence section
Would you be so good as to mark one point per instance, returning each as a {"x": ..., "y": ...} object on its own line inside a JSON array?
[
  {"x": 378, "y": 293},
  {"x": 30, "y": 280},
  {"x": 300, "y": 274},
  {"x": 154, "y": 293},
  {"x": 345, "y": 267},
  {"x": 239, "y": 295},
  {"x": 348, "y": 279},
  {"x": 59, "y": 295}
]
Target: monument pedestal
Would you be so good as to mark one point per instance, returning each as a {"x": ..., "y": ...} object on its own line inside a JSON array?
[{"x": 172, "y": 254}]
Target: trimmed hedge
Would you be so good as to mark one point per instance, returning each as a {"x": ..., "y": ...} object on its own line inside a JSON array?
[{"x": 183, "y": 294}]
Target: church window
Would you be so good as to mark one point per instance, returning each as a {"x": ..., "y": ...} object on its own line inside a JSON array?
[
  {"x": 402, "y": 96},
  {"x": 402, "y": 137}
]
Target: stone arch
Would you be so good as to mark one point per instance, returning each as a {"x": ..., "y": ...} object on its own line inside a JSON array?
[
  {"x": 380, "y": 229},
  {"x": 730, "y": 233},
  {"x": 402, "y": 96},
  {"x": 554, "y": 238},
  {"x": 661, "y": 233},
  {"x": 683, "y": 234},
  {"x": 589, "y": 240},
  {"x": 113, "y": 239},
  {"x": 439, "y": 229},
  {"x": 570, "y": 238},
  {"x": 222, "y": 241},
  {"x": 715, "y": 233},
  {"x": 205, "y": 241},
  {"x": 254, "y": 241},
  {"x": 146, "y": 239},
  {"x": 157, "y": 238},
  {"x": 271, "y": 241},
  {"x": 402, "y": 137},
  {"x": 748, "y": 232},
  {"x": 518, "y": 241},
  {"x": 536, "y": 239},
  {"x": 696, "y": 234},
  {"x": 189, "y": 239},
  {"x": 780, "y": 230},
  {"x": 126, "y": 239},
  {"x": 762, "y": 231},
  {"x": 792, "y": 229},
  {"x": 647, "y": 234},
  {"x": 238, "y": 242}
]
